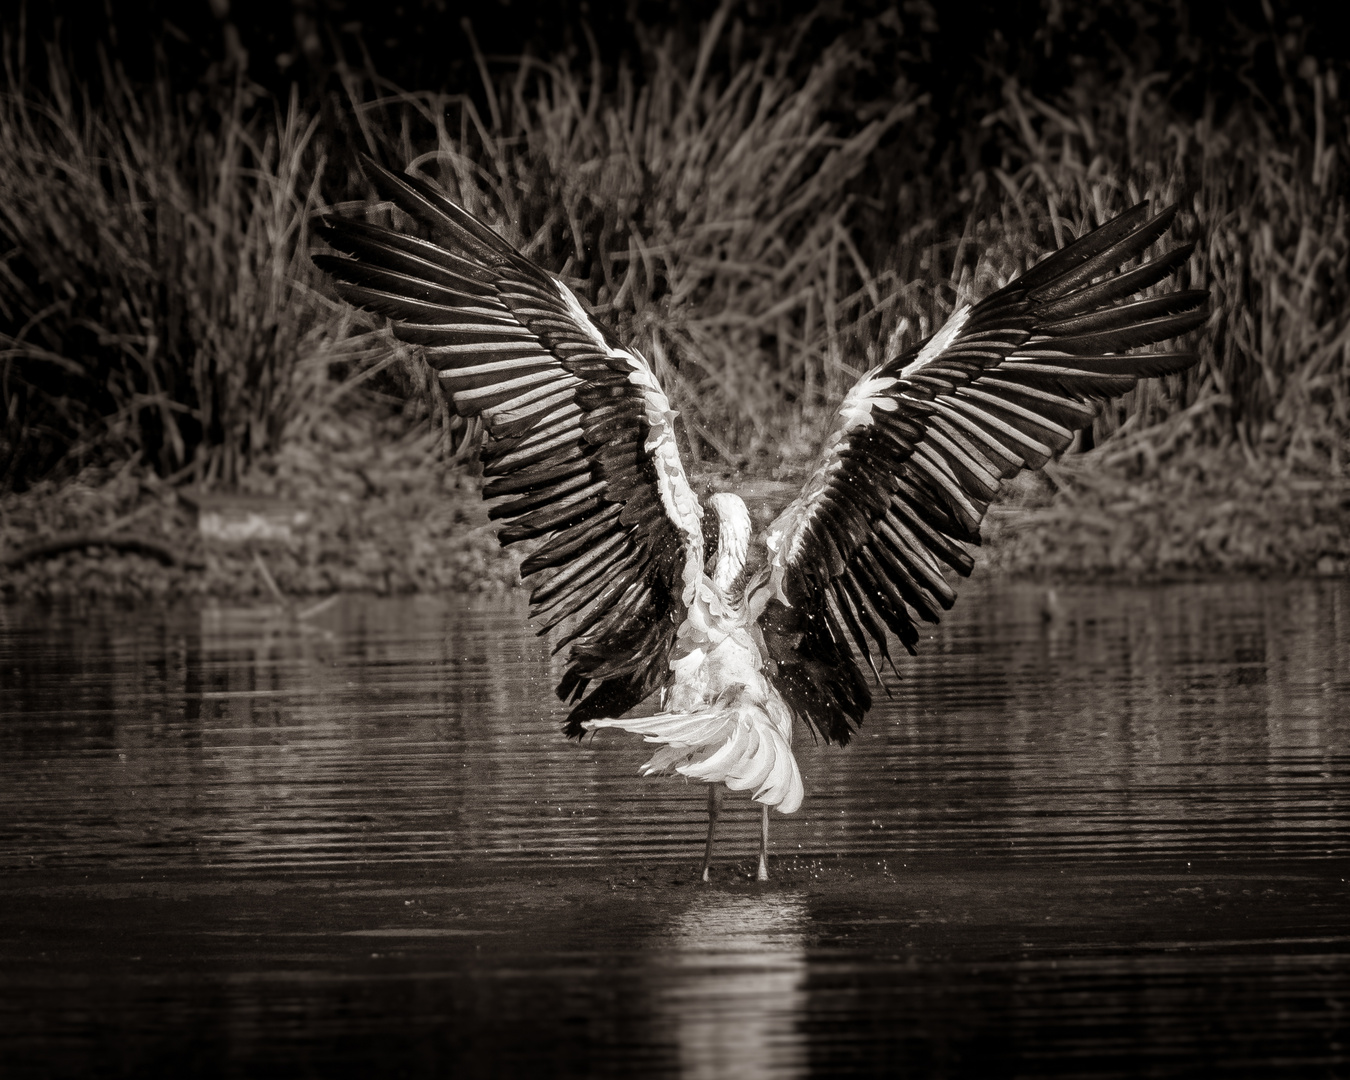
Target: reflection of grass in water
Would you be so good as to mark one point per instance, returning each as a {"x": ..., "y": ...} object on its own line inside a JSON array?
[{"x": 161, "y": 310}]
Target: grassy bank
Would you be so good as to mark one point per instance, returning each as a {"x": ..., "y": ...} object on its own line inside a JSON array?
[
  {"x": 363, "y": 513},
  {"x": 163, "y": 332},
  {"x": 379, "y": 516}
]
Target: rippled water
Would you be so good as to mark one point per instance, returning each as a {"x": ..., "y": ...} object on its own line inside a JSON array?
[{"x": 1104, "y": 831}]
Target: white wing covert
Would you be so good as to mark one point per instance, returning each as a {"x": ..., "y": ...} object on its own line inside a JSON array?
[{"x": 581, "y": 448}]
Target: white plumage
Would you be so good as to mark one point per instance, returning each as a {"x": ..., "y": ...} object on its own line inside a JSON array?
[
  {"x": 581, "y": 457},
  {"x": 722, "y": 722}
]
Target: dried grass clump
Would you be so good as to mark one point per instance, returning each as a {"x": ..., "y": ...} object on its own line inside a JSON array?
[
  {"x": 157, "y": 301},
  {"x": 711, "y": 215},
  {"x": 1265, "y": 199},
  {"x": 156, "y": 293},
  {"x": 706, "y": 215}
]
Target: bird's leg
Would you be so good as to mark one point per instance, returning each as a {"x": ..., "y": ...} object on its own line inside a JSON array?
[
  {"x": 763, "y": 874},
  {"x": 714, "y": 806}
]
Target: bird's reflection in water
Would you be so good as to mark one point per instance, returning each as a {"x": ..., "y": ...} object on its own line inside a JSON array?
[{"x": 730, "y": 985}]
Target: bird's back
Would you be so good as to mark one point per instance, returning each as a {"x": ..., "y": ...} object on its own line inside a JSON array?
[{"x": 722, "y": 721}]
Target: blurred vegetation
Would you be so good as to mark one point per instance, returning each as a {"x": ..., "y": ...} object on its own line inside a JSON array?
[
  {"x": 156, "y": 294},
  {"x": 766, "y": 201}
]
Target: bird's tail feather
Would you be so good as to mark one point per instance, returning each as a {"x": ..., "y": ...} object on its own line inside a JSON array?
[{"x": 739, "y": 745}]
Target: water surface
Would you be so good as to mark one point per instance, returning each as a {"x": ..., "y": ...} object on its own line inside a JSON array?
[{"x": 1104, "y": 832}]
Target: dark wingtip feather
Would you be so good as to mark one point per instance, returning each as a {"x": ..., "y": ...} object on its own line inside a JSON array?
[
  {"x": 420, "y": 199},
  {"x": 1105, "y": 247},
  {"x": 1084, "y": 248},
  {"x": 1105, "y": 258}
]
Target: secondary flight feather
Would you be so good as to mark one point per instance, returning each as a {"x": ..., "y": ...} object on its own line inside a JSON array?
[{"x": 650, "y": 597}]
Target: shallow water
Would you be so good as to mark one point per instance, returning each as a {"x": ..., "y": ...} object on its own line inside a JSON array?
[{"x": 1104, "y": 832}]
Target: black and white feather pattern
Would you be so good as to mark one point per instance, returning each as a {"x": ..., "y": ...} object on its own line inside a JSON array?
[
  {"x": 923, "y": 442},
  {"x": 580, "y": 452}
]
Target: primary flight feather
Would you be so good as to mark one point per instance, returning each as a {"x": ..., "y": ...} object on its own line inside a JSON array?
[{"x": 581, "y": 456}]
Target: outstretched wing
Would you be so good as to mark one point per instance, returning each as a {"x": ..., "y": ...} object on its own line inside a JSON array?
[
  {"x": 922, "y": 443},
  {"x": 581, "y": 448}
]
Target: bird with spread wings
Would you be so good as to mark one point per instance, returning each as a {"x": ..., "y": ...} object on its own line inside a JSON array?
[{"x": 647, "y": 592}]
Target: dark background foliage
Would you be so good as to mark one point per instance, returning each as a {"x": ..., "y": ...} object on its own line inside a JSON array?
[
  {"x": 960, "y": 54},
  {"x": 186, "y": 78},
  {"x": 960, "y": 51}
]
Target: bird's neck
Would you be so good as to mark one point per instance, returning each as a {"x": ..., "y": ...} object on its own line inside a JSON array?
[
  {"x": 729, "y": 570},
  {"x": 733, "y": 545}
]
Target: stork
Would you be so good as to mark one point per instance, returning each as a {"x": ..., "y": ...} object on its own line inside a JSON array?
[{"x": 651, "y": 595}]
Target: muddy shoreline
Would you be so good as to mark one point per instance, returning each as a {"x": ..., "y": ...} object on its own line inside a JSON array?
[{"x": 329, "y": 520}]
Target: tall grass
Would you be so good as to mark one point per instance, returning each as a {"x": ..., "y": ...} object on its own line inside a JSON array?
[
  {"x": 156, "y": 294},
  {"x": 706, "y": 217},
  {"x": 709, "y": 210},
  {"x": 1264, "y": 196},
  {"x": 157, "y": 298}
]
